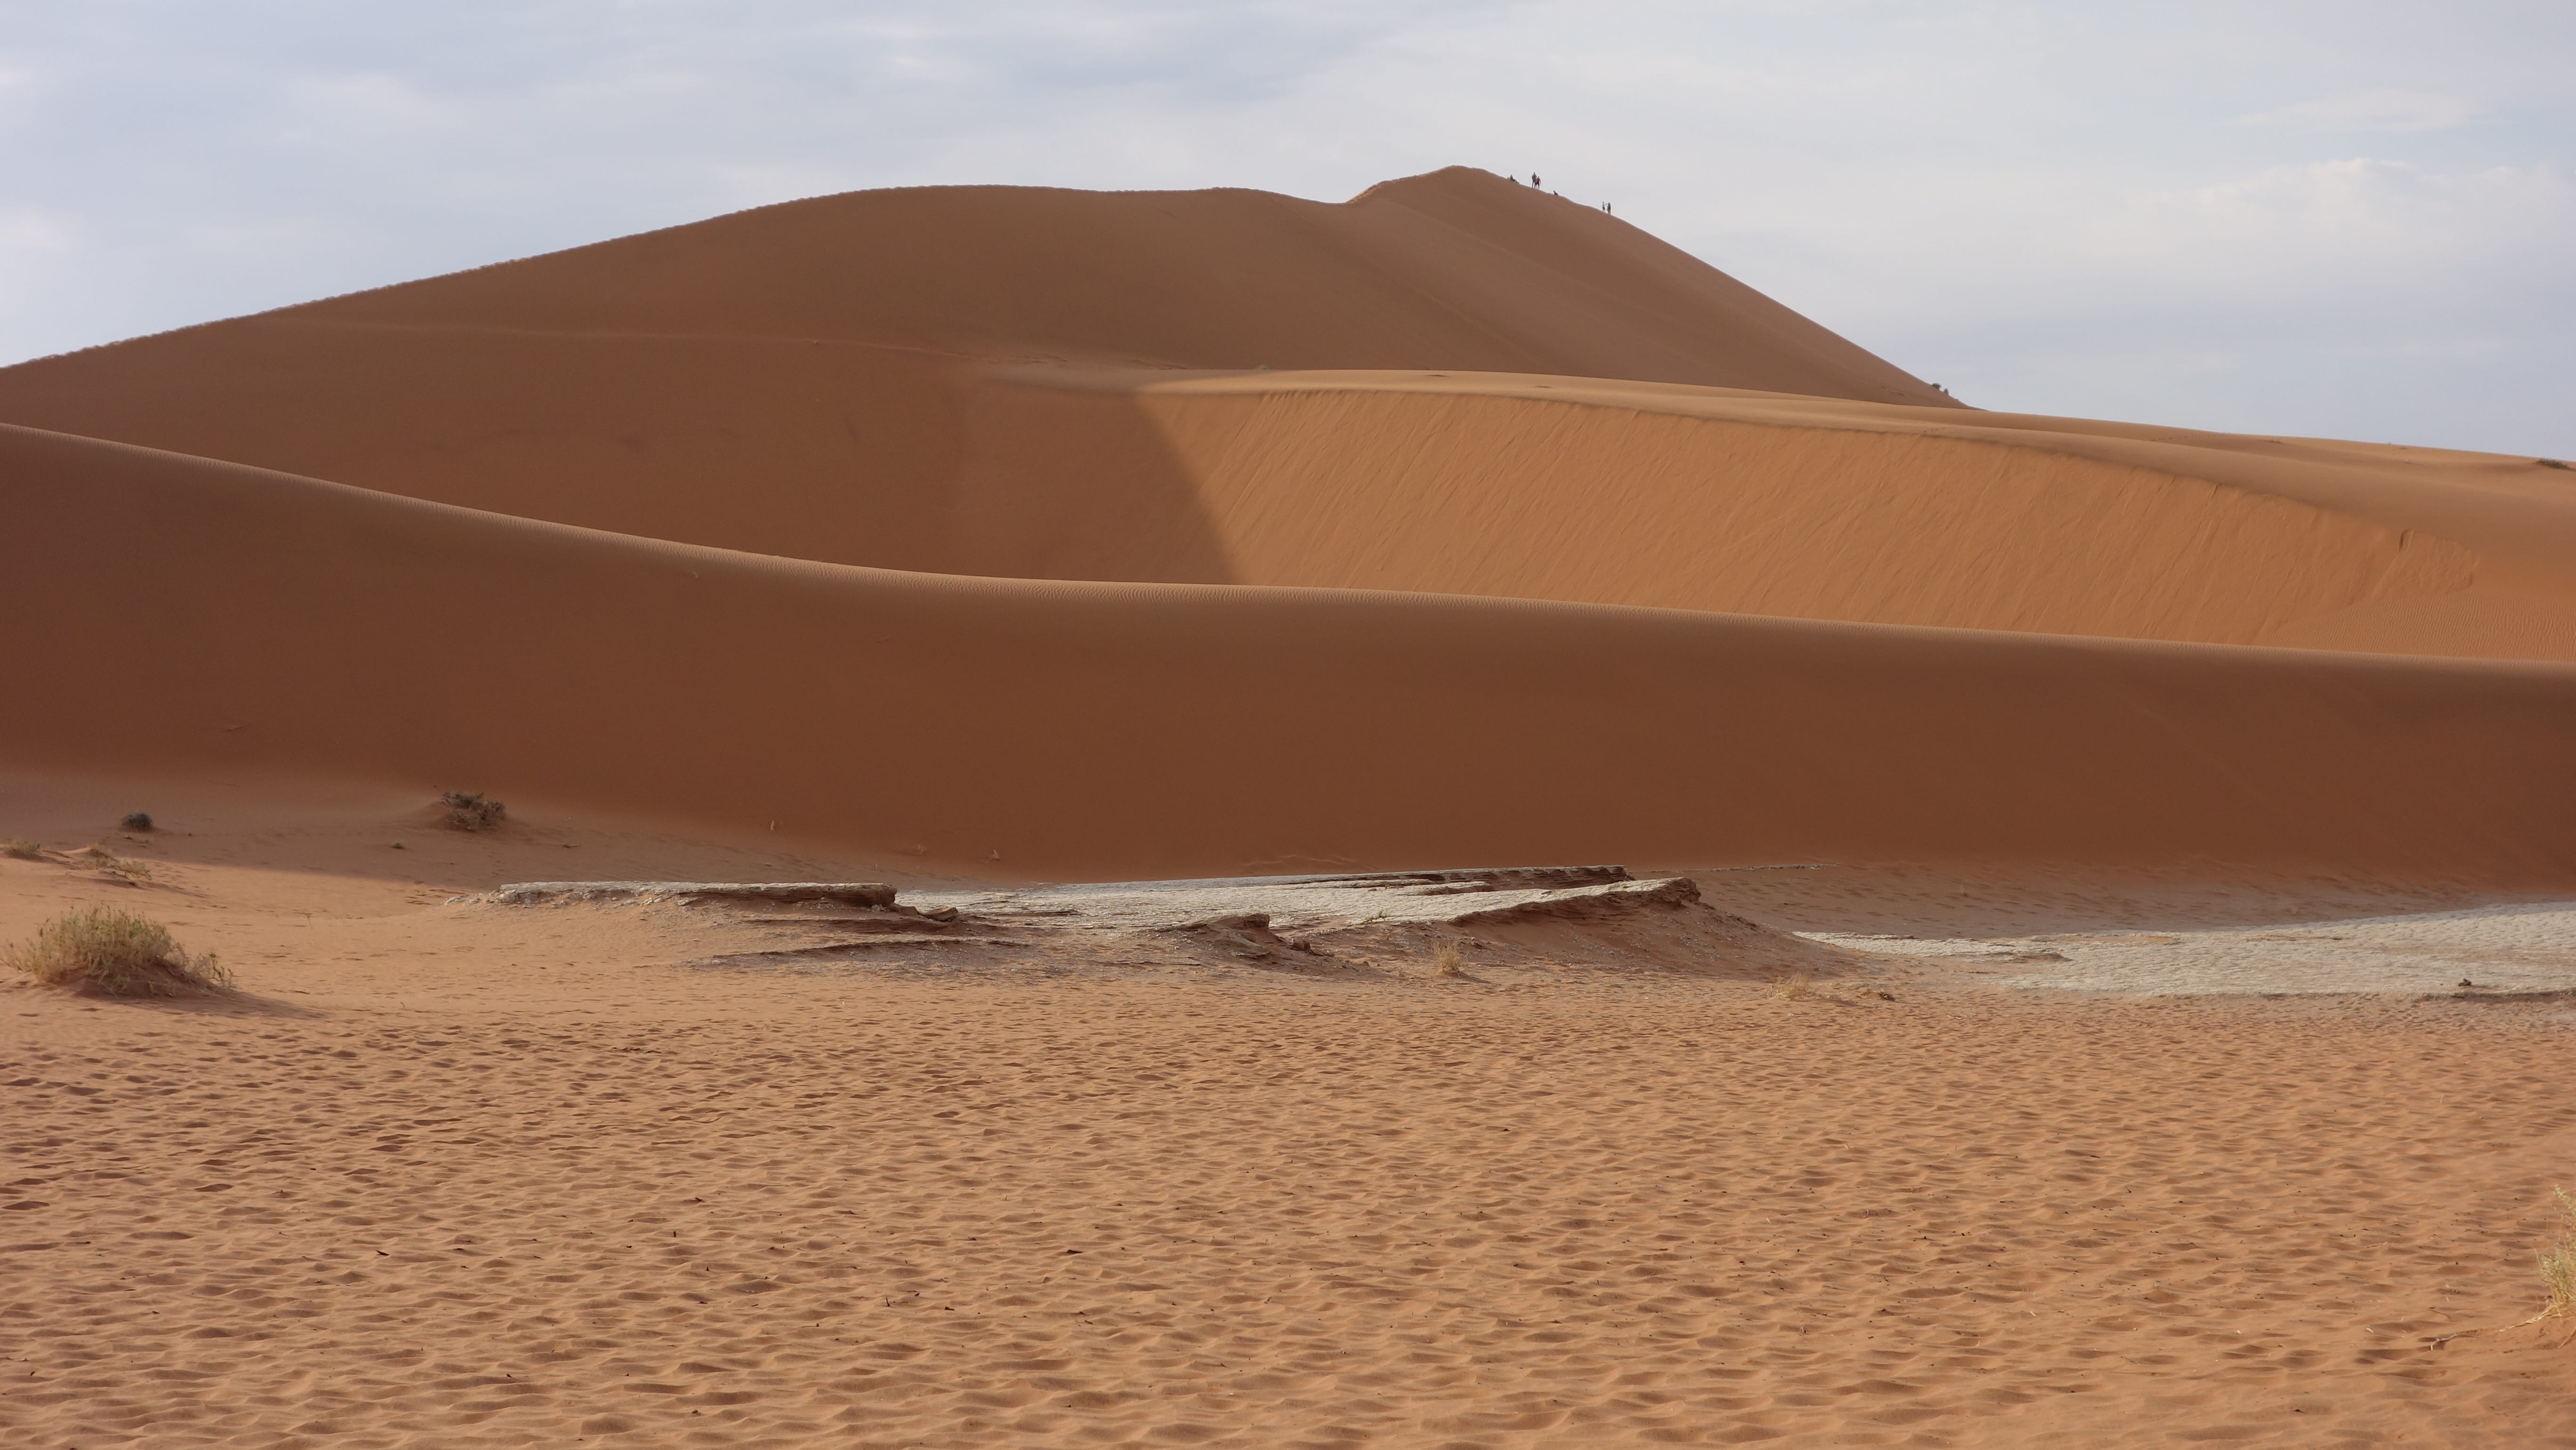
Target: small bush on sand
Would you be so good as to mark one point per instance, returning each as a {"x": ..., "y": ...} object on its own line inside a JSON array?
[
  {"x": 139, "y": 821},
  {"x": 468, "y": 811},
  {"x": 2558, "y": 1264},
  {"x": 1447, "y": 960},
  {"x": 20, "y": 848},
  {"x": 111, "y": 953},
  {"x": 1797, "y": 987}
]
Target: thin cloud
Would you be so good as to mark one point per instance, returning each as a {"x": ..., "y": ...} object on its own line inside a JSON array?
[{"x": 2397, "y": 111}]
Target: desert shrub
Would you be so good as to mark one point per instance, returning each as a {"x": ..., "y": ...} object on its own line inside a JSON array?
[
  {"x": 107, "y": 952},
  {"x": 1796, "y": 987},
  {"x": 22, "y": 849},
  {"x": 469, "y": 811},
  {"x": 2558, "y": 1264},
  {"x": 1447, "y": 960},
  {"x": 138, "y": 821}
]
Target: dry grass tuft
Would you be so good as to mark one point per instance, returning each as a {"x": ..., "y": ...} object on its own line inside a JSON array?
[
  {"x": 469, "y": 811},
  {"x": 106, "y": 952},
  {"x": 20, "y": 848},
  {"x": 2558, "y": 1264},
  {"x": 1796, "y": 987},
  {"x": 101, "y": 859},
  {"x": 1447, "y": 959}
]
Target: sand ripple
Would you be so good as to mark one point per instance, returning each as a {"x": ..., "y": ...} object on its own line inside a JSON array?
[{"x": 1122, "y": 1214}]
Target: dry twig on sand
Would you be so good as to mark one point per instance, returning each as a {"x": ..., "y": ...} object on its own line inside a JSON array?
[
  {"x": 107, "y": 952},
  {"x": 124, "y": 868}
]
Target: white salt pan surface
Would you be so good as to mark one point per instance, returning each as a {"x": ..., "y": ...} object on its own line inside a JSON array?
[{"x": 2525, "y": 948}]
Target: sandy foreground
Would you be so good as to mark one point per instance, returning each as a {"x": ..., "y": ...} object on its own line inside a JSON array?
[{"x": 455, "y": 1175}]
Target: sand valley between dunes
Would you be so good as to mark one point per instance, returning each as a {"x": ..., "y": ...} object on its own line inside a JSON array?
[{"x": 1167, "y": 819}]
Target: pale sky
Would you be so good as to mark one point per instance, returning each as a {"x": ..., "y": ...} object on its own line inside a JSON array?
[{"x": 2349, "y": 220}]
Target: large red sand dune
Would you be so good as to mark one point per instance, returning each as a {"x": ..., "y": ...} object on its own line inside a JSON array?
[
  {"x": 805, "y": 379},
  {"x": 824, "y": 457}
]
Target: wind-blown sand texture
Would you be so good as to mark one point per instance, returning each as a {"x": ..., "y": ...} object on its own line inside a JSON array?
[{"x": 976, "y": 541}]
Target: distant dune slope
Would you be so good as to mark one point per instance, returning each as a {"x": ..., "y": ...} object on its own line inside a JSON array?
[
  {"x": 760, "y": 379},
  {"x": 188, "y": 615},
  {"x": 1503, "y": 393},
  {"x": 1455, "y": 269}
]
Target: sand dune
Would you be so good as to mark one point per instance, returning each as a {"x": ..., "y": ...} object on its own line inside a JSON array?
[
  {"x": 1520, "y": 398},
  {"x": 818, "y": 361},
  {"x": 1106, "y": 731},
  {"x": 920, "y": 522}
]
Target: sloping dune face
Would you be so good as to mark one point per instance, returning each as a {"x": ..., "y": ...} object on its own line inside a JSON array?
[
  {"x": 1687, "y": 498},
  {"x": 206, "y": 616},
  {"x": 1215, "y": 532}
]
